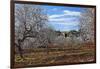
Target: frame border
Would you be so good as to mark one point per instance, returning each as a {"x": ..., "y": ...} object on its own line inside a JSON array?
[{"x": 12, "y": 17}]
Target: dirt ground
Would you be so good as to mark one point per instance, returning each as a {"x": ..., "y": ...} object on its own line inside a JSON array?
[{"x": 39, "y": 56}]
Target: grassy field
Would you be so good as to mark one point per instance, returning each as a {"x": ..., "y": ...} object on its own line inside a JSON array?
[{"x": 39, "y": 56}]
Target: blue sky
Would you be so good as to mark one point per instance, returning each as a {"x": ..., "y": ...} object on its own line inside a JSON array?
[{"x": 64, "y": 18}]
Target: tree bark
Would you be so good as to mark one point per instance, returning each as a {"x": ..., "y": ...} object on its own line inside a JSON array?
[{"x": 19, "y": 49}]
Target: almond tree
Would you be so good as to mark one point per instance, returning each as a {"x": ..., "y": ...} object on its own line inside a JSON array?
[
  {"x": 87, "y": 25},
  {"x": 29, "y": 20}
]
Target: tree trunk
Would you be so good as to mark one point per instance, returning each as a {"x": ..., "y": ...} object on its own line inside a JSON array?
[{"x": 19, "y": 49}]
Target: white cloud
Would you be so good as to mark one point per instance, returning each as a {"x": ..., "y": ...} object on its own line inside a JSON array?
[
  {"x": 72, "y": 13},
  {"x": 66, "y": 13},
  {"x": 56, "y": 15},
  {"x": 64, "y": 19},
  {"x": 66, "y": 24}
]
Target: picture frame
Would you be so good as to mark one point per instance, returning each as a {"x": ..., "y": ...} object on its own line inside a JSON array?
[{"x": 63, "y": 46}]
